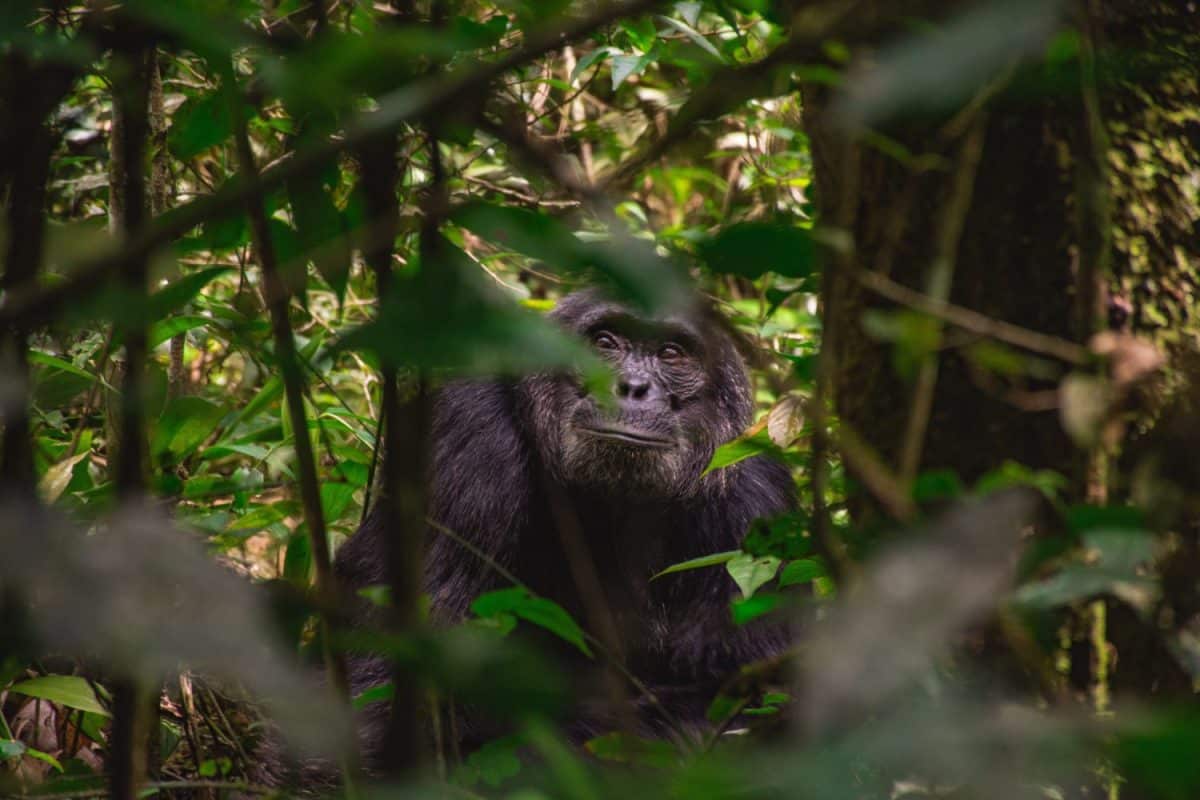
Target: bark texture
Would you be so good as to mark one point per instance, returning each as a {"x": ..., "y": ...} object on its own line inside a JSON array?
[{"x": 1017, "y": 258}]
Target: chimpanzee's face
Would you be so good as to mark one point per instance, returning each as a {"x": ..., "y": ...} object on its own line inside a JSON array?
[{"x": 670, "y": 408}]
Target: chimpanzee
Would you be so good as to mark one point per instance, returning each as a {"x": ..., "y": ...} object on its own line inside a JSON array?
[{"x": 523, "y": 469}]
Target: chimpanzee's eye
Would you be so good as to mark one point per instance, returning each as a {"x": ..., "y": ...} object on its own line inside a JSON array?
[
  {"x": 670, "y": 352},
  {"x": 604, "y": 340}
]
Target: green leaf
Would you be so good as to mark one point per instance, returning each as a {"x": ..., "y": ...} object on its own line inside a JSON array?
[
  {"x": 382, "y": 693},
  {"x": 289, "y": 255},
  {"x": 803, "y": 570},
  {"x": 626, "y": 65},
  {"x": 697, "y": 38},
  {"x": 320, "y": 230},
  {"x": 263, "y": 516},
  {"x": 478, "y": 35},
  {"x": 11, "y": 748},
  {"x": 47, "y": 360},
  {"x": 185, "y": 423},
  {"x": 66, "y": 690},
  {"x": 538, "y": 610},
  {"x": 724, "y": 707},
  {"x": 594, "y": 57},
  {"x": 1077, "y": 582},
  {"x": 377, "y": 594},
  {"x": 335, "y": 499},
  {"x": 200, "y": 123},
  {"x": 271, "y": 391},
  {"x": 1112, "y": 561},
  {"x": 46, "y": 757},
  {"x": 176, "y": 295},
  {"x": 750, "y": 572},
  {"x": 937, "y": 485},
  {"x": 699, "y": 563},
  {"x": 494, "y": 763},
  {"x": 1083, "y": 518},
  {"x": 641, "y": 32},
  {"x": 751, "y": 608},
  {"x": 784, "y": 536},
  {"x": 752, "y": 249},
  {"x": 742, "y": 448},
  {"x": 219, "y": 234},
  {"x": 624, "y": 748},
  {"x": 1010, "y": 473},
  {"x": 161, "y": 331}
]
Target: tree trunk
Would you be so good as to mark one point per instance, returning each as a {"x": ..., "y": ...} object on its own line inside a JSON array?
[
  {"x": 1037, "y": 249},
  {"x": 1017, "y": 258}
]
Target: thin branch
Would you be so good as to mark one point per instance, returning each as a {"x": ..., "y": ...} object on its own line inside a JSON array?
[
  {"x": 278, "y": 299},
  {"x": 860, "y": 459},
  {"x": 520, "y": 197},
  {"x": 941, "y": 276},
  {"x": 503, "y": 572},
  {"x": 973, "y": 321}
]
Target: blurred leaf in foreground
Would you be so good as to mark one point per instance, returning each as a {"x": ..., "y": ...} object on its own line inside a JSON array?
[
  {"x": 911, "y": 603},
  {"x": 446, "y": 318},
  {"x": 939, "y": 70},
  {"x": 144, "y": 597},
  {"x": 635, "y": 271}
]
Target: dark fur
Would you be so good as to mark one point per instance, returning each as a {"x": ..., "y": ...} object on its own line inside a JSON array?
[{"x": 500, "y": 449}]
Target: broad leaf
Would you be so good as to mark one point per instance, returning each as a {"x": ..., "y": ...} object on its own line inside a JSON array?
[
  {"x": 625, "y": 748},
  {"x": 200, "y": 123},
  {"x": 940, "y": 68},
  {"x": 71, "y": 691},
  {"x": 538, "y": 610},
  {"x": 748, "y": 609},
  {"x": 742, "y": 448},
  {"x": 58, "y": 477},
  {"x": 447, "y": 318},
  {"x": 180, "y": 292},
  {"x": 185, "y": 423},
  {"x": 320, "y": 229},
  {"x": 803, "y": 570},
  {"x": 751, "y": 572}
]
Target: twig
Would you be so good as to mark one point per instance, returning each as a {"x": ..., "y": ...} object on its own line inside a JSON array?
[
  {"x": 891, "y": 493},
  {"x": 521, "y": 197},
  {"x": 583, "y": 571},
  {"x": 973, "y": 321},
  {"x": 503, "y": 572},
  {"x": 941, "y": 275}
]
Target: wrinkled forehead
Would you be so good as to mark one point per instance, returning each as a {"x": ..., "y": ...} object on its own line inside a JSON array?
[{"x": 588, "y": 311}]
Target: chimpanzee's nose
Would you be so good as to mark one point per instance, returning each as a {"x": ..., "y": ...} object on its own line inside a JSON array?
[{"x": 633, "y": 388}]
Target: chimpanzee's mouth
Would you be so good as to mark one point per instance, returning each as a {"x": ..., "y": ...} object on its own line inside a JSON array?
[{"x": 626, "y": 435}]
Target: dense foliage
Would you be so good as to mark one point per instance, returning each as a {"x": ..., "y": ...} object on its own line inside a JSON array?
[{"x": 245, "y": 238}]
